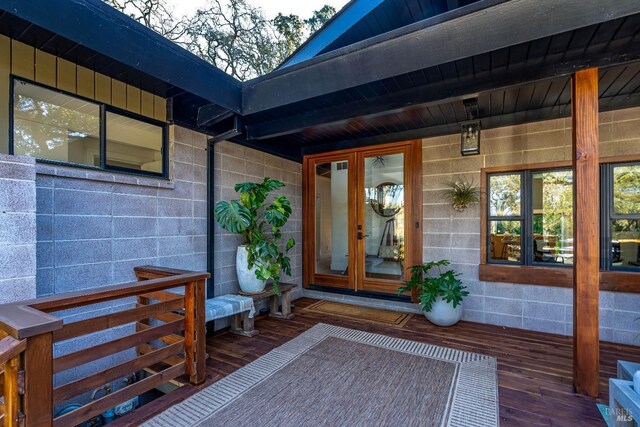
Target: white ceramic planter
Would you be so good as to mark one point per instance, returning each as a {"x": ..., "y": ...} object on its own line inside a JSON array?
[
  {"x": 247, "y": 279},
  {"x": 443, "y": 314}
]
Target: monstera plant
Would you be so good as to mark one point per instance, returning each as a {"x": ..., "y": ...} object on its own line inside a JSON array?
[{"x": 259, "y": 219}]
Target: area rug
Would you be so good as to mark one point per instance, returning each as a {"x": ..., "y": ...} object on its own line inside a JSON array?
[
  {"x": 333, "y": 376},
  {"x": 358, "y": 312}
]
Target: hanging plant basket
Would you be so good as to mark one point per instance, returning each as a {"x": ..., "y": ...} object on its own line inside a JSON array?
[{"x": 461, "y": 194}]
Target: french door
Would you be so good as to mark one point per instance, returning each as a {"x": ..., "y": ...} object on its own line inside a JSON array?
[{"x": 362, "y": 220}]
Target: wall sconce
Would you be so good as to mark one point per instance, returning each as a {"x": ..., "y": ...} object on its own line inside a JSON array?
[{"x": 470, "y": 130}]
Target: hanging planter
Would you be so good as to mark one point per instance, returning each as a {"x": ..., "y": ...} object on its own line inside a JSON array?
[{"x": 461, "y": 194}]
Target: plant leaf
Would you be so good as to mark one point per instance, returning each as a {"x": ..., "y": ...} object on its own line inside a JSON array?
[{"x": 232, "y": 216}]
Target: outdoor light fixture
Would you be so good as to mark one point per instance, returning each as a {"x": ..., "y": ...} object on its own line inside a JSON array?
[{"x": 470, "y": 130}]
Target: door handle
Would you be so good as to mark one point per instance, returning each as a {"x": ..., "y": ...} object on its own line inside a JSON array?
[{"x": 362, "y": 236}]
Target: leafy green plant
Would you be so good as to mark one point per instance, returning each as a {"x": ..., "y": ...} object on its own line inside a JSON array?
[
  {"x": 260, "y": 223},
  {"x": 461, "y": 194},
  {"x": 432, "y": 285}
]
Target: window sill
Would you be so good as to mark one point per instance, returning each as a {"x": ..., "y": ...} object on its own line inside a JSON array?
[
  {"x": 102, "y": 176},
  {"x": 616, "y": 281}
]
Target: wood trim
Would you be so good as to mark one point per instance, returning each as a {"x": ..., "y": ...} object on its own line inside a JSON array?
[
  {"x": 586, "y": 232},
  {"x": 347, "y": 151},
  {"x": 620, "y": 281},
  {"x": 613, "y": 281},
  {"x": 526, "y": 275}
]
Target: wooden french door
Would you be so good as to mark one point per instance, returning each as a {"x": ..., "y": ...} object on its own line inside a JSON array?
[{"x": 362, "y": 219}]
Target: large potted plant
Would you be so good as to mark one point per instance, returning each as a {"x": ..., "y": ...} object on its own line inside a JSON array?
[
  {"x": 259, "y": 221},
  {"x": 440, "y": 293}
]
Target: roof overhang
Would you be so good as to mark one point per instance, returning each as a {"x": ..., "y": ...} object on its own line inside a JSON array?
[
  {"x": 485, "y": 26},
  {"x": 98, "y": 28}
]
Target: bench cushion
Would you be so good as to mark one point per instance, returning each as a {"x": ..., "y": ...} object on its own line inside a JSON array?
[
  {"x": 227, "y": 305},
  {"x": 224, "y": 305}
]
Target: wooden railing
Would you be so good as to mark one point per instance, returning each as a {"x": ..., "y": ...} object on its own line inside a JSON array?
[
  {"x": 11, "y": 387},
  {"x": 157, "y": 319}
]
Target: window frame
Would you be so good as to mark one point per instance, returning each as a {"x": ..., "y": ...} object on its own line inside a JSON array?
[
  {"x": 608, "y": 214},
  {"x": 102, "y": 138},
  {"x": 526, "y": 217}
]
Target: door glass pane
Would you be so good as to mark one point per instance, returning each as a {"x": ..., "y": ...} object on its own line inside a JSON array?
[
  {"x": 383, "y": 228},
  {"x": 50, "y": 125},
  {"x": 553, "y": 217},
  {"x": 626, "y": 189},
  {"x": 332, "y": 216},
  {"x": 504, "y": 244},
  {"x": 625, "y": 244},
  {"x": 133, "y": 144}
]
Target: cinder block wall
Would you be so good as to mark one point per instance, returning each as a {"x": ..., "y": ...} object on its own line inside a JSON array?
[
  {"x": 17, "y": 228},
  {"x": 456, "y": 236},
  {"x": 94, "y": 227},
  {"x": 234, "y": 164}
]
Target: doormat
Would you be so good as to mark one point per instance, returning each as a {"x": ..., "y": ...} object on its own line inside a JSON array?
[{"x": 357, "y": 312}]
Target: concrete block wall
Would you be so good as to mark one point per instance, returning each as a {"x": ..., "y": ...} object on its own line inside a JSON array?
[
  {"x": 455, "y": 236},
  {"x": 234, "y": 164},
  {"x": 17, "y": 228},
  {"x": 94, "y": 227}
]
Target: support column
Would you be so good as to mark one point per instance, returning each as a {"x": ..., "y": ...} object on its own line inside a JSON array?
[{"x": 586, "y": 232}]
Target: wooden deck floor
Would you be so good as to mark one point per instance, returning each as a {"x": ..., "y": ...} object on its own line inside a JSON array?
[{"x": 534, "y": 369}]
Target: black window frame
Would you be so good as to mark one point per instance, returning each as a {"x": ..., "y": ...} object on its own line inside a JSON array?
[
  {"x": 607, "y": 215},
  {"x": 102, "y": 140},
  {"x": 526, "y": 218}
]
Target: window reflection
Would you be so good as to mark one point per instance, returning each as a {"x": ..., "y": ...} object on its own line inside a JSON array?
[
  {"x": 553, "y": 217},
  {"x": 625, "y": 219},
  {"x": 51, "y": 125},
  {"x": 505, "y": 221}
]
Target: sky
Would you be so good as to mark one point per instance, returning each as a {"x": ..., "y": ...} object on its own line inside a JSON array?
[{"x": 302, "y": 8}]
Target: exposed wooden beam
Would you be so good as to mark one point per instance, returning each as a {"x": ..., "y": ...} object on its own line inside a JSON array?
[
  {"x": 428, "y": 43},
  {"x": 586, "y": 232}
]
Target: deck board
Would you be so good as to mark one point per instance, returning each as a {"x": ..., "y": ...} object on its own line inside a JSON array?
[{"x": 534, "y": 369}]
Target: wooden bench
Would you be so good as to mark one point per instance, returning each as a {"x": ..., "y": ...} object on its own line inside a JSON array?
[{"x": 274, "y": 304}]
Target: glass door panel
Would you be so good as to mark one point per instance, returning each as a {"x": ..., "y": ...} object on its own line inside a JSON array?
[
  {"x": 332, "y": 218},
  {"x": 384, "y": 217}
]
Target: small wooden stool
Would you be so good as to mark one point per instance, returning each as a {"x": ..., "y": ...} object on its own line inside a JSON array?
[{"x": 274, "y": 306}]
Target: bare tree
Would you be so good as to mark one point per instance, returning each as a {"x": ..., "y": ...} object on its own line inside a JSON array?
[
  {"x": 237, "y": 38},
  {"x": 233, "y": 35},
  {"x": 155, "y": 14}
]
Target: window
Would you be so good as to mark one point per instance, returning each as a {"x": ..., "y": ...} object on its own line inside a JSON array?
[
  {"x": 59, "y": 127},
  {"x": 50, "y": 125},
  {"x": 621, "y": 217},
  {"x": 530, "y": 218}
]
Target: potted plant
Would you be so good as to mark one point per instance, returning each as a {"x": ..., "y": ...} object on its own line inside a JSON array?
[
  {"x": 461, "y": 194},
  {"x": 440, "y": 293},
  {"x": 260, "y": 257}
]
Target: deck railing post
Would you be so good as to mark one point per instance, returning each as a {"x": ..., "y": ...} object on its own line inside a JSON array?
[
  {"x": 38, "y": 381},
  {"x": 194, "y": 331}
]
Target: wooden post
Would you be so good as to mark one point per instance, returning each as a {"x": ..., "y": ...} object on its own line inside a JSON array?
[
  {"x": 38, "y": 381},
  {"x": 194, "y": 332},
  {"x": 586, "y": 236}
]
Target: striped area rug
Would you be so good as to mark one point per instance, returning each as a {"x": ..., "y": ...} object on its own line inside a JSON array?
[{"x": 333, "y": 376}]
